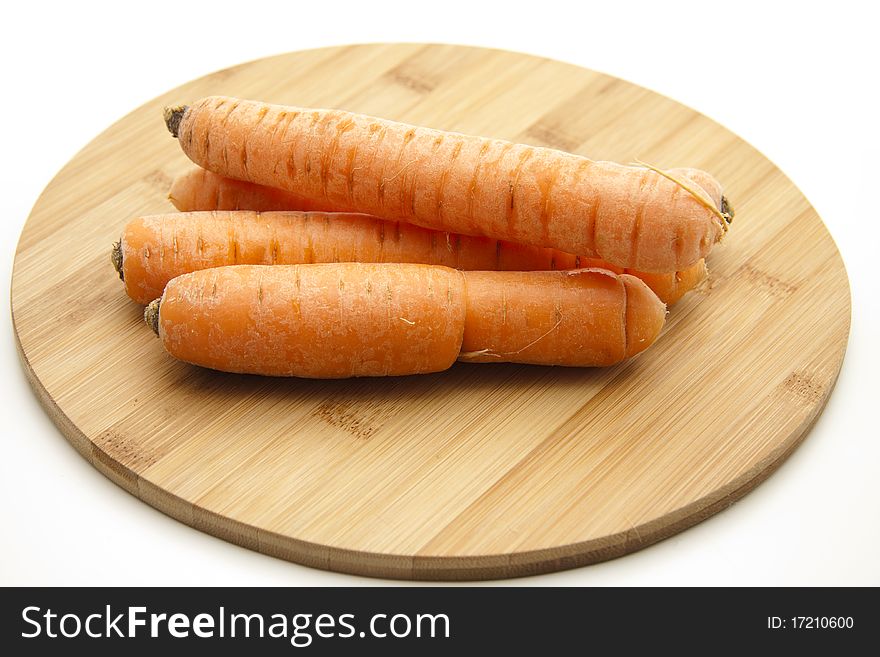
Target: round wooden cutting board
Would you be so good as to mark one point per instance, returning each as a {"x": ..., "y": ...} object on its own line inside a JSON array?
[{"x": 482, "y": 471}]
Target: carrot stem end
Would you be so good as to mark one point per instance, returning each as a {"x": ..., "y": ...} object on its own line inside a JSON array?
[
  {"x": 727, "y": 210},
  {"x": 173, "y": 116},
  {"x": 116, "y": 259},
  {"x": 151, "y": 315}
]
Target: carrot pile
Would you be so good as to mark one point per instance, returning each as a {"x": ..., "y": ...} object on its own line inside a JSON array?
[{"x": 327, "y": 244}]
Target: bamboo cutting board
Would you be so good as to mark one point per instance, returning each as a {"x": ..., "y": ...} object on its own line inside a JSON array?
[{"x": 482, "y": 471}]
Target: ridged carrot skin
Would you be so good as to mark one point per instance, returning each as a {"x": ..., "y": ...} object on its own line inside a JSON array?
[
  {"x": 364, "y": 319},
  {"x": 199, "y": 190},
  {"x": 583, "y": 317},
  {"x": 629, "y": 216},
  {"x": 154, "y": 249},
  {"x": 316, "y": 321}
]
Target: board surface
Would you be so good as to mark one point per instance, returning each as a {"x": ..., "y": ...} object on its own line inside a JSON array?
[{"x": 482, "y": 471}]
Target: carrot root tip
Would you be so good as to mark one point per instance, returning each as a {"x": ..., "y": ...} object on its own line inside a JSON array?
[
  {"x": 700, "y": 196},
  {"x": 151, "y": 315},
  {"x": 173, "y": 116},
  {"x": 116, "y": 259}
]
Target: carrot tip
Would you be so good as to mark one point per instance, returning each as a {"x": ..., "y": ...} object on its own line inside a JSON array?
[
  {"x": 151, "y": 315},
  {"x": 725, "y": 217},
  {"x": 116, "y": 259},
  {"x": 173, "y": 116}
]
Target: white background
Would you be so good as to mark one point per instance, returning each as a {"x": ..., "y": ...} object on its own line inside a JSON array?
[{"x": 798, "y": 80}]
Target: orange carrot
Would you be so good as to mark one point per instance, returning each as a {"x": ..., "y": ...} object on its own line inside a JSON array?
[
  {"x": 315, "y": 321},
  {"x": 356, "y": 319},
  {"x": 155, "y": 249},
  {"x": 630, "y": 216},
  {"x": 581, "y": 317},
  {"x": 199, "y": 189}
]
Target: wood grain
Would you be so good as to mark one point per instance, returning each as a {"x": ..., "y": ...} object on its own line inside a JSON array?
[{"x": 482, "y": 471}]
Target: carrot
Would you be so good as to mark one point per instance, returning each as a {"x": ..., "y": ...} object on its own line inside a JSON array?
[
  {"x": 315, "y": 321},
  {"x": 364, "y": 319},
  {"x": 581, "y": 317},
  {"x": 155, "y": 249},
  {"x": 630, "y": 216},
  {"x": 199, "y": 189}
]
